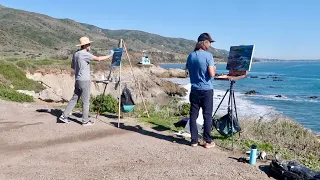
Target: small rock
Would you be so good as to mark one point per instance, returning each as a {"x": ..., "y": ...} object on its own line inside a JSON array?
[{"x": 251, "y": 92}]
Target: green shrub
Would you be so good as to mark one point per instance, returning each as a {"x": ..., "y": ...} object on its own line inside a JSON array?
[
  {"x": 7, "y": 93},
  {"x": 109, "y": 104},
  {"x": 183, "y": 109}
]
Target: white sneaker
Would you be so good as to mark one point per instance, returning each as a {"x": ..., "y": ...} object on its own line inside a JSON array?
[
  {"x": 64, "y": 119},
  {"x": 87, "y": 123}
]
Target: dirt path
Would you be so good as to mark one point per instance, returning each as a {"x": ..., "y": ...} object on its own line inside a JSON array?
[{"x": 34, "y": 146}]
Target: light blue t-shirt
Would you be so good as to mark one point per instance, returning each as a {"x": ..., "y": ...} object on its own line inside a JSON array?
[{"x": 197, "y": 65}]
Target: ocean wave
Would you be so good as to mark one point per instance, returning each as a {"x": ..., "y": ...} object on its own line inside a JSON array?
[
  {"x": 245, "y": 108},
  {"x": 284, "y": 98}
]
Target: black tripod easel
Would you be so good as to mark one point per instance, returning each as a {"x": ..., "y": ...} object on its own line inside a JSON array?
[{"x": 232, "y": 108}]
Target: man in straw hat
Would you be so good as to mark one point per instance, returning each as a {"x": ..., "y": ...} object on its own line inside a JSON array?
[{"x": 81, "y": 64}]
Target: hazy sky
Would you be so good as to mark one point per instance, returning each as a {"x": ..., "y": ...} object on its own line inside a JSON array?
[{"x": 279, "y": 28}]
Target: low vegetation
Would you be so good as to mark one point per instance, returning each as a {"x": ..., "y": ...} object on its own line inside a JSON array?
[
  {"x": 17, "y": 78},
  {"x": 11, "y": 79},
  {"x": 9, "y": 94},
  {"x": 284, "y": 136}
]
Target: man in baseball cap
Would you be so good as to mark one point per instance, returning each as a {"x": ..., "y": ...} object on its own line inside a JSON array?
[
  {"x": 201, "y": 68},
  {"x": 204, "y": 37}
]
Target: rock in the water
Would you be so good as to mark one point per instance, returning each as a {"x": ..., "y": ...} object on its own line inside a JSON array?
[
  {"x": 252, "y": 92},
  {"x": 313, "y": 97},
  {"x": 278, "y": 96}
]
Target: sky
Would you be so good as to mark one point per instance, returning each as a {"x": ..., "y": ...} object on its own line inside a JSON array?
[{"x": 280, "y": 29}]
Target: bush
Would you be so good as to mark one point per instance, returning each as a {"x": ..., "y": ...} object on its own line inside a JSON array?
[
  {"x": 10, "y": 94},
  {"x": 109, "y": 104},
  {"x": 183, "y": 109}
]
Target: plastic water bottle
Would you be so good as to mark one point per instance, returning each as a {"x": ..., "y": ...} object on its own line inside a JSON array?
[{"x": 253, "y": 154}]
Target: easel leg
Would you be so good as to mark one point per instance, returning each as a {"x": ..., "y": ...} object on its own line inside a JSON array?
[
  {"x": 104, "y": 91},
  {"x": 119, "y": 115},
  {"x": 220, "y": 102},
  {"x": 124, "y": 45}
]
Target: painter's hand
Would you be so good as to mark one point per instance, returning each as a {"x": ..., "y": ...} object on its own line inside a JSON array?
[{"x": 111, "y": 53}]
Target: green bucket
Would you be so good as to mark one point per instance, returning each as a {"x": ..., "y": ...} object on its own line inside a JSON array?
[{"x": 127, "y": 108}]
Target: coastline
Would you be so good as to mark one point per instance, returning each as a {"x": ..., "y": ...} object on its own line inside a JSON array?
[{"x": 245, "y": 108}]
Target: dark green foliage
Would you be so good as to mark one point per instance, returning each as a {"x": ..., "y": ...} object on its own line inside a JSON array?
[{"x": 109, "y": 104}]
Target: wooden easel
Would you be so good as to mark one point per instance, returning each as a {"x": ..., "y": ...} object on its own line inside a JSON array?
[{"x": 122, "y": 45}]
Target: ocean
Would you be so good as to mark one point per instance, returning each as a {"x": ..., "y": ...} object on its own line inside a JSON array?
[{"x": 293, "y": 82}]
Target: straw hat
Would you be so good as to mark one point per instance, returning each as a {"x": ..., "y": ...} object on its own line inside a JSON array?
[{"x": 84, "y": 41}]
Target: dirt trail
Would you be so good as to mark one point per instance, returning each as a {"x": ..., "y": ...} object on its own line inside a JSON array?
[{"x": 34, "y": 146}]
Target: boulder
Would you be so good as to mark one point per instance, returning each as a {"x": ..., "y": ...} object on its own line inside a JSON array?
[
  {"x": 48, "y": 95},
  {"x": 252, "y": 92}
]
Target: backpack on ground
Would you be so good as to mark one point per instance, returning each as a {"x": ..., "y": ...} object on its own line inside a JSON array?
[
  {"x": 292, "y": 170},
  {"x": 127, "y": 103},
  {"x": 224, "y": 125}
]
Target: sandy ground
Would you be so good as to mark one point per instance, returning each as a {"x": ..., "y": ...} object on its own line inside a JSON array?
[{"x": 34, "y": 146}]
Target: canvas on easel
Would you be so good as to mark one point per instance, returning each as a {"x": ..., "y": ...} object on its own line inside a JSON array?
[
  {"x": 117, "y": 56},
  {"x": 240, "y": 58}
]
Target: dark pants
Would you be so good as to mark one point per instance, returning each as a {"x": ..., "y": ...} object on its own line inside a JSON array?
[{"x": 201, "y": 99}]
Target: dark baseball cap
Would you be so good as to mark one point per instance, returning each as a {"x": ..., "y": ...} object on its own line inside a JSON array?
[{"x": 205, "y": 36}]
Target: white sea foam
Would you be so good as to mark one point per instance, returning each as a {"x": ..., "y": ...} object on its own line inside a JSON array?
[{"x": 245, "y": 108}]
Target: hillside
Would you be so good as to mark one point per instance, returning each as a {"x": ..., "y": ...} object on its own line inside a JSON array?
[{"x": 33, "y": 35}]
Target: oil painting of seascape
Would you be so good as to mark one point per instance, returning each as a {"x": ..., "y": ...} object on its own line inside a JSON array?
[
  {"x": 116, "y": 58},
  {"x": 240, "y": 58}
]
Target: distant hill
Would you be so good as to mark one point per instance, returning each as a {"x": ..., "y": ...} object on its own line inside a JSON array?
[{"x": 33, "y": 35}]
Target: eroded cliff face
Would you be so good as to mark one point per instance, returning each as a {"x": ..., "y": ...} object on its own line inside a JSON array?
[{"x": 60, "y": 84}]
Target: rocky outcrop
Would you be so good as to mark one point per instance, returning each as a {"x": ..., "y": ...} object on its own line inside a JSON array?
[
  {"x": 61, "y": 85},
  {"x": 170, "y": 73}
]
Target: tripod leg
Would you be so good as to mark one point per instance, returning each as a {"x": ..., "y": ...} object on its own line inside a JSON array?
[
  {"x": 231, "y": 114},
  {"x": 220, "y": 103},
  {"x": 235, "y": 109},
  {"x": 104, "y": 91}
]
